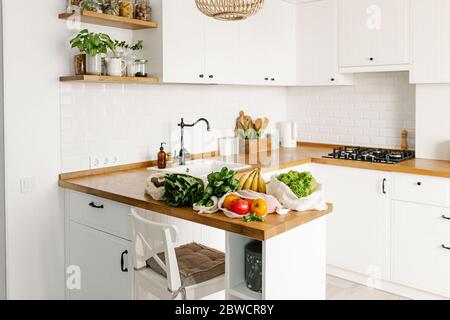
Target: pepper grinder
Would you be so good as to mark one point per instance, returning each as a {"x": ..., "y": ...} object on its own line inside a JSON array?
[{"x": 404, "y": 140}]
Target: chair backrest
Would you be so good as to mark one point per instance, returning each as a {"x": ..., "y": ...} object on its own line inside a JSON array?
[{"x": 148, "y": 239}]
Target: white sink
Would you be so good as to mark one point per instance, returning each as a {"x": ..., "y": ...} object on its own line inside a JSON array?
[{"x": 203, "y": 167}]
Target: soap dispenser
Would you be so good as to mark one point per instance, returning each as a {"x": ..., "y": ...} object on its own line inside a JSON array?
[{"x": 162, "y": 158}]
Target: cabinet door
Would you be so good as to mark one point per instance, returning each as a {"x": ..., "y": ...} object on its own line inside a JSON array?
[
  {"x": 281, "y": 50},
  {"x": 430, "y": 45},
  {"x": 358, "y": 227},
  {"x": 373, "y": 32},
  {"x": 317, "y": 44},
  {"x": 99, "y": 257},
  {"x": 267, "y": 45},
  {"x": 253, "y": 49},
  {"x": 418, "y": 258},
  {"x": 221, "y": 51},
  {"x": 183, "y": 42}
]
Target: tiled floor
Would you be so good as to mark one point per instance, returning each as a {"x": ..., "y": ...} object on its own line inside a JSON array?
[{"x": 339, "y": 289}]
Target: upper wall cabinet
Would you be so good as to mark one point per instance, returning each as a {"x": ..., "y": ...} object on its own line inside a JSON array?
[
  {"x": 374, "y": 35},
  {"x": 317, "y": 45},
  {"x": 430, "y": 41},
  {"x": 192, "y": 48},
  {"x": 267, "y": 45}
]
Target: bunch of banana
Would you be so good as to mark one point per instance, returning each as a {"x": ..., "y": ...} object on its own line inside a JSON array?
[{"x": 253, "y": 181}]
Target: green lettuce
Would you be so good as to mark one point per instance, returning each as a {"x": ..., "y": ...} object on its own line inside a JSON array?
[{"x": 301, "y": 183}]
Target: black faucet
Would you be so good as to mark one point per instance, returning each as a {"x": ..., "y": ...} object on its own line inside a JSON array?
[{"x": 183, "y": 152}]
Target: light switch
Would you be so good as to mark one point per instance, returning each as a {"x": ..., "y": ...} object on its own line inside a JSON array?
[{"x": 27, "y": 185}]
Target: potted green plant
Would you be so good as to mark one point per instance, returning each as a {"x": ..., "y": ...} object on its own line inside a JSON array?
[{"x": 94, "y": 45}]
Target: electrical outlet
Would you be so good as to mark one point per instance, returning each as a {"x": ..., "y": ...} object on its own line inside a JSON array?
[
  {"x": 104, "y": 161},
  {"x": 27, "y": 185}
]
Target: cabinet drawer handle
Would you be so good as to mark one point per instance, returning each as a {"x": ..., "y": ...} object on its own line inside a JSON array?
[
  {"x": 384, "y": 185},
  {"x": 371, "y": 59},
  {"x": 419, "y": 183},
  {"x": 445, "y": 247},
  {"x": 122, "y": 261},
  {"x": 93, "y": 205},
  {"x": 201, "y": 76},
  {"x": 267, "y": 79},
  {"x": 211, "y": 76},
  {"x": 445, "y": 217}
]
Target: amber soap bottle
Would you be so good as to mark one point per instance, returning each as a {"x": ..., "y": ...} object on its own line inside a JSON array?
[{"x": 162, "y": 158}]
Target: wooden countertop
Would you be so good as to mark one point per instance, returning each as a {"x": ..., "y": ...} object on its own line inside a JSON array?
[
  {"x": 128, "y": 187},
  {"x": 126, "y": 184}
]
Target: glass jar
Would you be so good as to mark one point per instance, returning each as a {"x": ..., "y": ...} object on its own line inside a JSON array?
[
  {"x": 140, "y": 68},
  {"x": 142, "y": 10},
  {"x": 73, "y": 5},
  {"x": 92, "y": 5},
  {"x": 111, "y": 7},
  {"x": 126, "y": 8}
]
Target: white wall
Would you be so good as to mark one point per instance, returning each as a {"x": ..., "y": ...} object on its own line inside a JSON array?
[
  {"x": 2, "y": 175},
  {"x": 433, "y": 121},
  {"x": 34, "y": 56},
  {"x": 372, "y": 112},
  {"x": 130, "y": 121}
]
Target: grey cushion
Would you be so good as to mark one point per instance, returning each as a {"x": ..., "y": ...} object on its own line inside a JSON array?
[{"x": 197, "y": 263}]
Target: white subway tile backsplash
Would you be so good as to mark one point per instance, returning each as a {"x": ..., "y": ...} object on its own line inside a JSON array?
[
  {"x": 132, "y": 120},
  {"x": 372, "y": 112}
]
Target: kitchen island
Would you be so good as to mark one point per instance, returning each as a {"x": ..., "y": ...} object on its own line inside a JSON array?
[{"x": 294, "y": 246}]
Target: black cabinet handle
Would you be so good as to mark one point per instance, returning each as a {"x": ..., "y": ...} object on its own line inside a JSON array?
[
  {"x": 122, "y": 261},
  {"x": 211, "y": 76},
  {"x": 93, "y": 205},
  {"x": 332, "y": 79},
  {"x": 445, "y": 217},
  {"x": 202, "y": 76},
  {"x": 445, "y": 247},
  {"x": 272, "y": 79},
  {"x": 419, "y": 183},
  {"x": 371, "y": 59},
  {"x": 267, "y": 79},
  {"x": 384, "y": 185}
]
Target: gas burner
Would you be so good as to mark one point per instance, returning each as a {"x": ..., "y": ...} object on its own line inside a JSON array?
[{"x": 371, "y": 155}]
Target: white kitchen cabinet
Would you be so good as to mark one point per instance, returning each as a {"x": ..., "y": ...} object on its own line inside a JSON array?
[
  {"x": 421, "y": 189},
  {"x": 430, "y": 48},
  {"x": 267, "y": 45},
  {"x": 103, "y": 261},
  {"x": 317, "y": 45},
  {"x": 374, "y": 35},
  {"x": 419, "y": 258},
  {"x": 358, "y": 227},
  {"x": 189, "y": 47}
]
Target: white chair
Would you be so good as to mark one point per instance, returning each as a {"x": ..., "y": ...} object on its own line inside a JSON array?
[{"x": 150, "y": 238}]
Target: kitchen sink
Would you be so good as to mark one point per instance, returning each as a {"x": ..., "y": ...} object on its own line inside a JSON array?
[{"x": 203, "y": 167}]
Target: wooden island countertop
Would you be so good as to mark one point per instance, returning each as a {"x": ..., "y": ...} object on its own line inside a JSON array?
[{"x": 126, "y": 184}]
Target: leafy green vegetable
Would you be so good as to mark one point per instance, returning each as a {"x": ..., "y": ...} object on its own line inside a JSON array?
[
  {"x": 219, "y": 184},
  {"x": 301, "y": 183},
  {"x": 183, "y": 190},
  {"x": 253, "y": 217}
]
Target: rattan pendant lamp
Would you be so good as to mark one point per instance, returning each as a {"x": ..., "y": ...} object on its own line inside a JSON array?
[{"x": 229, "y": 10}]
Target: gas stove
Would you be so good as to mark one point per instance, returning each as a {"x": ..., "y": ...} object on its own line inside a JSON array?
[{"x": 371, "y": 155}]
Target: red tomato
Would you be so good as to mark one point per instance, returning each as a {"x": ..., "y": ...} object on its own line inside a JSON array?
[{"x": 240, "y": 207}]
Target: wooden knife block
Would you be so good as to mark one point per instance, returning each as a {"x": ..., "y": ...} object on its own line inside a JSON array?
[{"x": 255, "y": 145}]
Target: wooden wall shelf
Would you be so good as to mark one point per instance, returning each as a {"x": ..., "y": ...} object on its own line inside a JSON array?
[
  {"x": 110, "y": 20},
  {"x": 109, "y": 79}
]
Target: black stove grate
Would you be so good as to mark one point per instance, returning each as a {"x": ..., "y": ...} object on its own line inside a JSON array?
[{"x": 371, "y": 155}]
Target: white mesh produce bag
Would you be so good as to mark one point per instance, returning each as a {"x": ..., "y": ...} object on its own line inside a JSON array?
[
  {"x": 289, "y": 200},
  {"x": 273, "y": 204}
]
